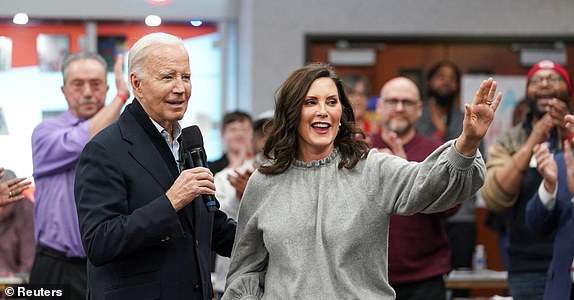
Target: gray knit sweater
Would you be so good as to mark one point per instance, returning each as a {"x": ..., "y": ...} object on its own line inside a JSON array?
[{"x": 320, "y": 232}]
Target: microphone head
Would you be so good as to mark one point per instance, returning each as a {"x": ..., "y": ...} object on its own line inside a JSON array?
[{"x": 191, "y": 137}]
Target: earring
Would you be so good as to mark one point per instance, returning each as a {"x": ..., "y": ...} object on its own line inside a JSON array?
[{"x": 339, "y": 124}]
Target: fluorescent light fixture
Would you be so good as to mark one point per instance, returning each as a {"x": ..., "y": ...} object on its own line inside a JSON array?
[
  {"x": 352, "y": 57},
  {"x": 529, "y": 57},
  {"x": 20, "y": 19},
  {"x": 152, "y": 21},
  {"x": 196, "y": 23}
]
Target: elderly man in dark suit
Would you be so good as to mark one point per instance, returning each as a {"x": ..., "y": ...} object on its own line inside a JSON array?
[{"x": 146, "y": 234}]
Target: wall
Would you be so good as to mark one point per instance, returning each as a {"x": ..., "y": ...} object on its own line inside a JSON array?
[
  {"x": 271, "y": 35},
  {"x": 272, "y": 32},
  {"x": 175, "y": 10},
  {"x": 27, "y": 93},
  {"x": 24, "y": 37},
  {"x": 275, "y": 30}
]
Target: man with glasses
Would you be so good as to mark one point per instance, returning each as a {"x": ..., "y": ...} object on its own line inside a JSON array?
[
  {"x": 512, "y": 177},
  {"x": 418, "y": 245},
  {"x": 56, "y": 147}
]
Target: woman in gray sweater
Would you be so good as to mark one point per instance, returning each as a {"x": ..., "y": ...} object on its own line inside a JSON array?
[{"x": 313, "y": 222}]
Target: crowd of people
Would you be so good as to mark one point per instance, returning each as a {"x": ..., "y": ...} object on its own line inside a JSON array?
[{"x": 314, "y": 201}]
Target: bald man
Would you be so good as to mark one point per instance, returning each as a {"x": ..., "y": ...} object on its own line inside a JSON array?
[{"x": 419, "y": 253}]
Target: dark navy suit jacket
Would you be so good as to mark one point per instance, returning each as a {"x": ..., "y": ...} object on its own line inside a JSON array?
[
  {"x": 138, "y": 247},
  {"x": 560, "y": 221}
]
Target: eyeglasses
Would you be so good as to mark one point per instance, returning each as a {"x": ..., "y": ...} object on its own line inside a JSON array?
[
  {"x": 551, "y": 79},
  {"x": 394, "y": 102}
]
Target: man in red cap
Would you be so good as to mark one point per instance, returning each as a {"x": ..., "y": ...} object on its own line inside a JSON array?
[{"x": 512, "y": 177}]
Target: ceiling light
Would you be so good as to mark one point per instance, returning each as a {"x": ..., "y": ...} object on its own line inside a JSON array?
[
  {"x": 158, "y": 2},
  {"x": 152, "y": 20},
  {"x": 196, "y": 23},
  {"x": 20, "y": 19}
]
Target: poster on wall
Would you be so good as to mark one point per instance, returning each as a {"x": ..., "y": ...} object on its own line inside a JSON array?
[
  {"x": 109, "y": 46},
  {"x": 52, "y": 50},
  {"x": 5, "y": 53},
  {"x": 513, "y": 89},
  {"x": 3, "y": 127}
]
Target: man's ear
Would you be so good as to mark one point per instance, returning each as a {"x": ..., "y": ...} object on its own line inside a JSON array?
[{"x": 135, "y": 81}]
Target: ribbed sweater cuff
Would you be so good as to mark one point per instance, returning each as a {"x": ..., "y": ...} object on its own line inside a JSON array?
[{"x": 460, "y": 161}]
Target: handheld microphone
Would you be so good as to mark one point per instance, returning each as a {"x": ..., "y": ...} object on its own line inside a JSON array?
[{"x": 194, "y": 156}]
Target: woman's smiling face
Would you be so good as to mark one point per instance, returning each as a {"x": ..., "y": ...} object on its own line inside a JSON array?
[{"x": 319, "y": 120}]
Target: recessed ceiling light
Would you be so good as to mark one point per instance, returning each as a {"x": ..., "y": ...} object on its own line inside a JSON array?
[
  {"x": 152, "y": 20},
  {"x": 158, "y": 2},
  {"x": 196, "y": 23},
  {"x": 20, "y": 19}
]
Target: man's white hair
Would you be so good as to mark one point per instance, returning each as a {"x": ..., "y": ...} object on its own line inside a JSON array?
[{"x": 139, "y": 51}]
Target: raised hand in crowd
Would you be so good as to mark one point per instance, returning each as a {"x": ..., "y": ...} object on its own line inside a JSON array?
[
  {"x": 395, "y": 145},
  {"x": 11, "y": 190},
  {"x": 120, "y": 79},
  {"x": 546, "y": 166},
  {"x": 568, "y": 157},
  {"x": 239, "y": 181}
]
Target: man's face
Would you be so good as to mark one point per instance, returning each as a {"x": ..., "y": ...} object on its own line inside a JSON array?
[
  {"x": 399, "y": 106},
  {"x": 238, "y": 136},
  {"x": 165, "y": 86},
  {"x": 544, "y": 85},
  {"x": 85, "y": 87},
  {"x": 443, "y": 85}
]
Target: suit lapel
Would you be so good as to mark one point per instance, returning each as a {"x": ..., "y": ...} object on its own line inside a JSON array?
[
  {"x": 148, "y": 157},
  {"x": 143, "y": 150}
]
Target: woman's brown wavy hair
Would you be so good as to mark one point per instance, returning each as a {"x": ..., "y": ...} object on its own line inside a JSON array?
[{"x": 281, "y": 147}]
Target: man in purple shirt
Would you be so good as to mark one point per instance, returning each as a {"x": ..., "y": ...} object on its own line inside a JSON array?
[
  {"x": 56, "y": 147},
  {"x": 419, "y": 252}
]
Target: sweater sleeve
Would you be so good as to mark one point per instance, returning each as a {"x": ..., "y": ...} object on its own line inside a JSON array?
[
  {"x": 246, "y": 277},
  {"x": 495, "y": 197},
  {"x": 442, "y": 180}
]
